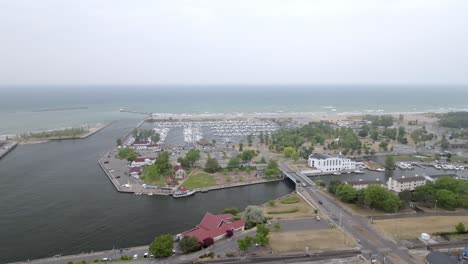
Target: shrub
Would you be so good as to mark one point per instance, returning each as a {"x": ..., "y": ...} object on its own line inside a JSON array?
[
  {"x": 229, "y": 233},
  {"x": 230, "y": 254},
  {"x": 460, "y": 227},
  {"x": 231, "y": 210},
  {"x": 208, "y": 242},
  {"x": 271, "y": 202},
  {"x": 290, "y": 200},
  {"x": 125, "y": 257},
  {"x": 189, "y": 244}
]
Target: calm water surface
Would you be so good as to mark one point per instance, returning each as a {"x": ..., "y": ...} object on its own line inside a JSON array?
[{"x": 54, "y": 199}]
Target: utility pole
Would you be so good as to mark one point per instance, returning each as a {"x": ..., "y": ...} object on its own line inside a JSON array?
[{"x": 435, "y": 206}]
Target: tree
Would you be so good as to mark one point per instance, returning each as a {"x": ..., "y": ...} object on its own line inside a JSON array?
[
  {"x": 346, "y": 193},
  {"x": 189, "y": 244},
  {"x": 460, "y": 227},
  {"x": 192, "y": 156},
  {"x": 379, "y": 197},
  {"x": 250, "y": 140},
  {"x": 262, "y": 235},
  {"x": 212, "y": 165},
  {"x": 233, "y": 162},
  {"x": 333, "y": 186},
  {"x": 248, "y": 155},
  {"x": 446, "y": 199},
  {"x": 155, "y": 137},
  {"x": 389, "y": 163},
  {"x": 241, "y": 146},
  {"x": 161, "y": 246},
  {"x": 231, "y": 210},
  {"x": 363, "y": 133},
  {"x": 245, "y": 243},
  {"x": 183, "y": 162},
  {"x": 288, "y": 152},
  {"x": 444, "y": 143},
  {"x": 405, "y": 196},
  {"x": 119, "y": 142},
  {"x": 253, "y": 215},
  {"x": 261, "y": 138},
  {"x": 383, "y": 145},
  {"x": 208, "y": 242}
]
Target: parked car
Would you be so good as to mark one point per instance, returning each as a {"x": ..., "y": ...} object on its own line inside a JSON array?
[
  {"x": 145, "y": 255},
  {"x": 320, "y": 201},
  {"x": 317, "y": 218},
  {"x": 135, "y": 256}
]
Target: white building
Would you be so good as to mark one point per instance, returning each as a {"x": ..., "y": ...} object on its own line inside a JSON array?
[
  {"x": 403, "y": 183},
  {"x": 329, "y": 163},
  {"x": 359, "y": 185},
  {"x": 140, "y": 162}
]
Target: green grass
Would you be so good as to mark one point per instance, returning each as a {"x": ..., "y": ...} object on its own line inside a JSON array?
[
  {"x": 290, "y": 200},
  {"x": 199, "y": 180},
  {"x": 290, "y": 211},
  {"x": 411, "y": 158},
  {"x": 459, "y": 159}
]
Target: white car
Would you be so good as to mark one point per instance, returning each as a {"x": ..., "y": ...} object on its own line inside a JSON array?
[
  {"x": 135, "y": 256},
  {"x": 145, "y": 255},
  {"x": 317, "y": 218}
]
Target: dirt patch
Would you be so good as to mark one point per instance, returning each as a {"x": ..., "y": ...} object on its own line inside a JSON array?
[
  {"x": 295, "y": 241},
  {"x": 404, "y": 228},
  {"x": 225, "y": 178}
]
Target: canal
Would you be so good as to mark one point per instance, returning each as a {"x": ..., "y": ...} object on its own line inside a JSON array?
[{"x": 55, "y": 199}]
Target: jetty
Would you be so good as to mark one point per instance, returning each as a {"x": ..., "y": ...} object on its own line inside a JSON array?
[{"x": 6, "y": 147}]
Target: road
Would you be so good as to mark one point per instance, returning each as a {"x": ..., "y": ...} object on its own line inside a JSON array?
[{"x": 358, "y": 227}]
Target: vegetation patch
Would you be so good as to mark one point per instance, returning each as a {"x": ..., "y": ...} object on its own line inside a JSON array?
[
  {"x": 199, "y": 180},
  {"x": 290, "y": 211},
  {"x": 55, "y": 134},
  {"x": 290, "y": 200}
]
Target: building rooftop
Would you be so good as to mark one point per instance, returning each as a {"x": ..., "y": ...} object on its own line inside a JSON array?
[
  {"x": 411, "y": 179},
  {"x": 213, "y": 226},
  {"x": 321, "y": 156},
  {"x": 364, "y": 182},
  {"x": 436, "y": 257}
]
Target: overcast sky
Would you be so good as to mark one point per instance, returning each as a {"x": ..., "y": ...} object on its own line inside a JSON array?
[{"x": 229, "y": 42}]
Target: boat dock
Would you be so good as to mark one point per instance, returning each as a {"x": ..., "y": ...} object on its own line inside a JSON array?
[{"x": 6, "y": 147}]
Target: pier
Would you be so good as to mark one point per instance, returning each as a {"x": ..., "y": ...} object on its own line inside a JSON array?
[{"x": 6, "y": 147}]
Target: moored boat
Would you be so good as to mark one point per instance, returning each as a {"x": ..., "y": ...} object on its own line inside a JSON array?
[{"x": 183, "y": 193}]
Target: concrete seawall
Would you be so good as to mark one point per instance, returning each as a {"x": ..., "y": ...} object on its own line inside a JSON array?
[
  {"x": 7, "y": 148},
  {"x": 111, "y": 178}
]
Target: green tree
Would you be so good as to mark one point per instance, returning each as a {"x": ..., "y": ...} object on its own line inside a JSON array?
[
  {"x": 253, "y": 215},
  {"x": 245, "y": 243},
  {"x": 161, "y": 246},
  {"x": 444, "y": 144},
  {"x": 212, "y": 165},
  {"x": 405, "y": 196},
  {"x": 250, "y": 140},
  {"x": 261, "y": 138},
  {"x": 248, "y": 155},
  {"x": 183, "y": 162},
  {"x": 119, "y": 142},
  {"x": 346, "y": 193},
  {"x": 241, "y": 146},
  {"x": 333, "y": 186},
  {"x": 189, "y": 244},
  {"x": 460, "y": 227},
  {"x": 288, "y": 152},
  {"x": 262, "y": 235},
  {"x": 389, "y": 163},
  {"x": 379, "y": 197},
  {"x": 233, "y": 162},
  {"x": 155, "y": 137},
  {"x": 192, "y": 156},
  {"x": 446, "y": 199},
  {"x": 383, "y": 145}
]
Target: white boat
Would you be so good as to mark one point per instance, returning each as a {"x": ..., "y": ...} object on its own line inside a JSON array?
[
  {"x": 337, "y": 173},
  {"x": 380, "y": 169},
  {"x": 180, "y": 194},
  {"x": 359, "y": 172},
  {"x": 121, "y": 109},
  {"x": 437, "y": 166}
]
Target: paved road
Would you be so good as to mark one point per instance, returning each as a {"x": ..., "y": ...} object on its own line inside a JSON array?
[
  {"x": 360, "y": 229},
  {"x": 303, "y": 224}
]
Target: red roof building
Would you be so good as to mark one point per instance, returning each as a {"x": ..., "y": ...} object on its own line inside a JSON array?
[{"x": 215, "y": 227}]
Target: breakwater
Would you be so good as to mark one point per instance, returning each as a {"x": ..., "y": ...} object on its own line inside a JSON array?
[{"x": 6, "y": 147}]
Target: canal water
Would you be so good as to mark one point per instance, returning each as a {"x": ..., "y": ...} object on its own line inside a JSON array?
[{"x": 55, "y": 199}]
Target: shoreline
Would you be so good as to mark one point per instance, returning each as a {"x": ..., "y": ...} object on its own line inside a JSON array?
[{"x": 8, "y": 148}]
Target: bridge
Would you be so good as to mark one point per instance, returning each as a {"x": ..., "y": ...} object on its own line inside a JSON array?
[{"x": 297, "y": 177}]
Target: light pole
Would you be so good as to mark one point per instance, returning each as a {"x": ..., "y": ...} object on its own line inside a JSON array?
[{"x": 435, "y": 206}]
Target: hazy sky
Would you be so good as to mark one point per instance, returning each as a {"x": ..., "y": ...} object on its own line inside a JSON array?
[{"x": 229, "y": 42}]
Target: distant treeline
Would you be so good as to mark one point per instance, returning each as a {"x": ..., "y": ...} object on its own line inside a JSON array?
[
  {"x": 454, "y": 120},
  {"x": 64, "y": 133}
]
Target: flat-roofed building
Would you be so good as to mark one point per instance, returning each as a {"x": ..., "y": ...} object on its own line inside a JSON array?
[
  {"x": 404, "y": 183},
  {"x": 359, "y": 185},
  {"x": 329, "y": 163}
]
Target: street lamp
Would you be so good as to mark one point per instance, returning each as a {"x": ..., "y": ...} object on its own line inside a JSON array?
[{"x": 435, "y": 206}]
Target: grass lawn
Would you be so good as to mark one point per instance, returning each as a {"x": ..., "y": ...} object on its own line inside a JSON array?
[
  {"x": 157, "y": 181},
  {"x": 294, "y": 241},
  {"x": 281, "y": 210},
  {"x": 413, "y": 227},
  {"x": 411, "y": 158},
  {"x": 199, "y": 180},
  {"x": 459, "y": 159}
]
